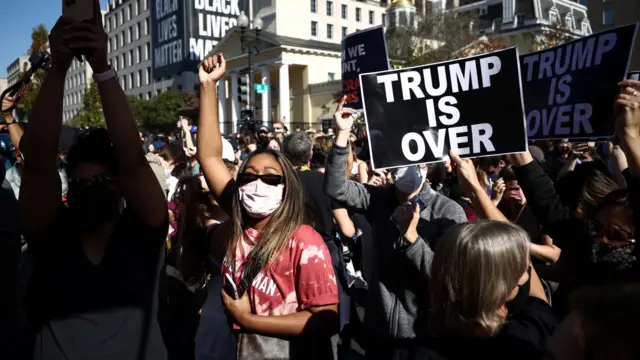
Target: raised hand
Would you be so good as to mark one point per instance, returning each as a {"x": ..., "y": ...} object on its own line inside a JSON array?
[
  {"x": 466, "y": 172},
  {"x": 212, "y": 69},
  {"x": 627, "y": 108},
  {"x": 61, "y": 54},
  {"x": 343, "y": 116},
  {"x": 89, "y": 39},
  {"x": 498, "y": 190}
]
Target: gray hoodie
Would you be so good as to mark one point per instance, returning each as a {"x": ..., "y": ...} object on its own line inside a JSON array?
[{"x": 398, "y": 298}]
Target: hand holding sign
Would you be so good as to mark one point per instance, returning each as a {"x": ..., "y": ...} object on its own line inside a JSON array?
[
  {"x": 212, "y": 69},
  {"x": 89, "y": 39},
  {"x": 343, "y": 116},
  {"x": 466, "y": 173},
  {"x": 628, "y": 108}
]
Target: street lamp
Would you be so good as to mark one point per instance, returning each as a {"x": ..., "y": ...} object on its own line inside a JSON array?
[{"x": 249, "y": 42}]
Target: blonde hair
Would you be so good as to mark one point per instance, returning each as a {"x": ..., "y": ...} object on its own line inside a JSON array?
[{"x": 475, "y": 267}]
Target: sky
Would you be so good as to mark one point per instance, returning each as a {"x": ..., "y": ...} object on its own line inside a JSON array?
[{"x": 19, "y": 17}]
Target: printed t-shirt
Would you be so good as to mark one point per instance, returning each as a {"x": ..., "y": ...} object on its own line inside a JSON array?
[{"x": 302, "y": 276}]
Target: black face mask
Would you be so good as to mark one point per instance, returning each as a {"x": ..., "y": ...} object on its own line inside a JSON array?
[
  {"x": 92, "y": 205},
  {"x": 520, "y": 301}
]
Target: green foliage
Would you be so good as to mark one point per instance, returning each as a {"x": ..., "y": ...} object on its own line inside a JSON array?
[
  {"x": 39, "y": 41},
  {"x": 91, "y": 114},
  {"x": 159, "y": 114}
]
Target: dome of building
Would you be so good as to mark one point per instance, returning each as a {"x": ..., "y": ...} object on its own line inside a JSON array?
[{"x": 398, "y": 4}]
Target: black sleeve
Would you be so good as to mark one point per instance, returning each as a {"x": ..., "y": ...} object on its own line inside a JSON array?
[
  {"x": 633, "y": 184},
  {"x": 532, "y": 325},
  {"x": 556, "y": 219},
  {"x": 626, "y": 174}
]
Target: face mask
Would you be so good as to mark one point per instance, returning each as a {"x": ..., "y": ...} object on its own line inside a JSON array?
[
  {"x": 92, "y": 205},
  {"x": 408, "y": 180},
  {"x": 167, "y": 172},
  {"x": 259, "y": 199},
  {"x": 520, "y": 301}
]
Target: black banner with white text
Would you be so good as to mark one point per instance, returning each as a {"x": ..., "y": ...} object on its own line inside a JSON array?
[
  {"x": 362, "y": 52},
  {"x": 569, "y": 90},
  {"x": 473, "y": 105}
]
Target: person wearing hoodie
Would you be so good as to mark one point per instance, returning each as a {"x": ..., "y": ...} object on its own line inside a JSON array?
[{"x": 406, "y": 218}]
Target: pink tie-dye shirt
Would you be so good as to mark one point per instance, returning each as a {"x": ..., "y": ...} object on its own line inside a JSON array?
[{"x": 301, "y": 278}]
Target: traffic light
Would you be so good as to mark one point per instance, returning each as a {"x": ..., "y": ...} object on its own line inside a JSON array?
[
  {"x": 246, "y": 115},
  {"x": 243, "y": 89}
]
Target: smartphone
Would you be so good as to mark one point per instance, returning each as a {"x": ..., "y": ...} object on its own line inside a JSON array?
[
  {"x": 230, "y": 287},
  {"x": 78, "y": 10},
  {"x": 420, "y": 203}
]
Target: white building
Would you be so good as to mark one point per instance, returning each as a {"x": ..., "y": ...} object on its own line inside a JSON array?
[
  {"x": 3, "y": 85},
  {"x": 321, "y": 20},
  {"x": 299, "y": 58},
  {"x": 19, "y": 65}
]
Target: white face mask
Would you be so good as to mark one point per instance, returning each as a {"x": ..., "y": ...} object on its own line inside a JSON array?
[
  {"x": 167, "y": 173},
  {"x": 259, "y": 199}
]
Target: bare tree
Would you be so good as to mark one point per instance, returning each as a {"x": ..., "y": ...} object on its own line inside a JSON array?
[{"x": 433, "y": 38}]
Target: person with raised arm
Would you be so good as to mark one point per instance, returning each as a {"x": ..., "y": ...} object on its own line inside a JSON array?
[
  {"x": 280, "y": 288},
  {"x": 93, "y": 293}
]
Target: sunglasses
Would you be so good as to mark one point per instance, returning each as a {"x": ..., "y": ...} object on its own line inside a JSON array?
[
  {"x": 269, "y": 179},
  {"x": 95, "y": 180},
  {"x": 613, "y": 236}
]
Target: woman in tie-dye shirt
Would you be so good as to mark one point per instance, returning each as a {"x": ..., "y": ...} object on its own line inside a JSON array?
[{"x": 278, "y": 269}]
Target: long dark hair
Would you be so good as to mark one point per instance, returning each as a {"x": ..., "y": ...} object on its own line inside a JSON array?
[
  {"x": 277, "y": 233},
  {"x": 190, "y": 240},
  {"x": 176, "y": 153}
]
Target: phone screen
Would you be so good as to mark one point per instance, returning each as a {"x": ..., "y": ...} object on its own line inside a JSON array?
[
  {"x": 420, "y": 203},
  {"x": 230, "y": 287}
]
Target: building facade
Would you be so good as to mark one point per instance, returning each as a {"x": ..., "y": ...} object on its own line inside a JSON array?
[
  {"x": 611, "y": 13},
  {"x": 128, "y": 24},
  {"x": 320, "y": 20},
  {"x": 18, "y": 66},
  {"x": 523, "y": 22},
  {"x": 78, "y": 80}
]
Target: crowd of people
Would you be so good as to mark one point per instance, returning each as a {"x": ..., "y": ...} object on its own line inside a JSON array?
[{"x": 197, "y": 245}]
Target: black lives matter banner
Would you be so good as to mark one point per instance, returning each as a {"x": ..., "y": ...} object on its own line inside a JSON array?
[
  {"x": 362, "y": 52},
  {"x": 183, "y": 32},
  {"x": 474, "y": 105},
  {"x": 167, "y": 21},
  {"x": 210, "y": 20},
  {"x": 569, "y": 90},
  {"x": 633, "y": 75}
]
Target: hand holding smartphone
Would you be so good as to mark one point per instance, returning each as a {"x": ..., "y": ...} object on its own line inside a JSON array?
[{"x": 78, "y": 10}]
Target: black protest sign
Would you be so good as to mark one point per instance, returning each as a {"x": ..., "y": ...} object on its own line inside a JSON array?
[
  {"x": 362, "y": 52},
  {"x": 167, "y": 38},
  {"x": 633, "y": 75},
  {"x": 569, "y": 90},
  {"x": 473, "y": 105}
]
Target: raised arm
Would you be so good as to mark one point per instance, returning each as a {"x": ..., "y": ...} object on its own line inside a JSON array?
[
  {"x": 141, "y": 190},
  {"x": 556, "y": 219},
  {"x": 209, "y": 138},
  {"x": 337, "y": 187},
  {"x": 40, "y": 190}
]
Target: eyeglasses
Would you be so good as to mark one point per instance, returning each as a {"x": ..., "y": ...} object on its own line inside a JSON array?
[
  {"x": 95, "y": 180},
  {"x": 611, "y": 235},
  {"x": 269, "y": 179}
]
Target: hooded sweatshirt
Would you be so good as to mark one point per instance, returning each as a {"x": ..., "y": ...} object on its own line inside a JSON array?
[{"x": 398, "y": 292}]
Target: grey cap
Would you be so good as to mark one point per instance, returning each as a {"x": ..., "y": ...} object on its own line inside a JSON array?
[{"x": 537, "y": 153}]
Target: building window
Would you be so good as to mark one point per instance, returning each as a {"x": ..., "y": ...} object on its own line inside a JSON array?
[
  {"x": 146, "y": 27},
  {"x": 314, "y": 7},
  {"x": 331, "y": 76},
  {"x": 130, "y": 81},
  {"x": 115, "y": 63},
  {"x": 137, "y": 31},
  {"x": 109, "y": 46},
  {"x": 121, "y": 17},
  {"x": 344, "y": 31},
  {"x": 138, "y": 51},
  {"x": 122, "y": 63},
  {"x": 147, "y": 79},
  {"x": 358, "y": 14},
  {"x": 384, "y": 19},
  {"x": 129, "y": 35},
  {"x": 329, "y": 8},
  {"x": 122, "y": 39},
  {"x": 344, "y": 11},
  {"x": 147, "y": 50},
  {"x": 130, "y": 57},
  {"x": 128, "y": 12},
  {"x": 329, "y": 31},
  {"x": 607, "y": 14},
  {"x": 314, "y": 28},
  {"x": 146, "y": 4},
  {"x": 139, "y": 78},
  {"x": 371, "y": 16},
  {"x": 113, "y": 22},
  {"x": 115, "y": 43}
]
